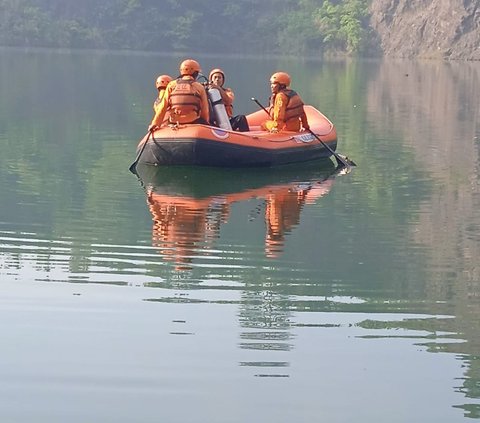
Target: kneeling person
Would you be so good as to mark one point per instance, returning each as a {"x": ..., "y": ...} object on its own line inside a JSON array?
[{"x": 185, "y": 99}]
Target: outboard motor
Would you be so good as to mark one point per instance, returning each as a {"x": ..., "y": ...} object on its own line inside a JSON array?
[{"x": 219, "y": 112}]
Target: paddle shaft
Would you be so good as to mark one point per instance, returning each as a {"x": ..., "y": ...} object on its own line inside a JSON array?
[
  {"x": 260, "y": 105},
  {"x": 339, "y": 158},
  {"x": 134, "y": 164}
]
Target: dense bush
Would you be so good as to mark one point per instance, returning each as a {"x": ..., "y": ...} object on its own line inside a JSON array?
[{"x": 240, "y": 26}]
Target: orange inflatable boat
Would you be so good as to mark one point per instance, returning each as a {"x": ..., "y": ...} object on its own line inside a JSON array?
[{"x": 204, "y": 145}]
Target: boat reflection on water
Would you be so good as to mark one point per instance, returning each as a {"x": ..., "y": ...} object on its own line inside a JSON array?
[{"x": 189, "y": 205}]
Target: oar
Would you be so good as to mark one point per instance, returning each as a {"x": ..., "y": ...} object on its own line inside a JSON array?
[
  {"x": 133, "y": 166},
  {"x": 345, "y": 161},
  {"x": 260, "y": 105}
]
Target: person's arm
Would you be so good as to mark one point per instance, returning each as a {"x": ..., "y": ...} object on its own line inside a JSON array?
[
  {"x": 304, "y": 120},
  {"x": 226, "y": 94},
  {"x": 229, "y": 97},
  {"x": 279, "y": 109},
  {"x": 204, "y": 112}
]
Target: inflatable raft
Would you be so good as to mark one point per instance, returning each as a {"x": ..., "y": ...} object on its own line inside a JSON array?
[{"x": 204, "y": 145}]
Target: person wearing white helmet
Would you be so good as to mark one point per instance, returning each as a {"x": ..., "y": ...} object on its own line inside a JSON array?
[
  {"x": 286, "y": 107},
  {"x": 185, "y": 99},
  {"x": 216, "y": 80}
]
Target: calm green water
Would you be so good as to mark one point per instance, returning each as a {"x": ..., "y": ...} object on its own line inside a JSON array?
[{"x": 205, "y": 295}]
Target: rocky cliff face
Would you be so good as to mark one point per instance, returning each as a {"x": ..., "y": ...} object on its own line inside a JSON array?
[{"x": 447, "y": 29}]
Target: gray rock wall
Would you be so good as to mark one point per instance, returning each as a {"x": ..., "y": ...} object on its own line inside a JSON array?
[{"x": 437, "y": 29}]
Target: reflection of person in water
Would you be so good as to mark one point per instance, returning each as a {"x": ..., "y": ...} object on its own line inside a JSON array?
[
  {"x": 185, "y": 227},
  {"x": 282, "y": 212},
  {"x": 182, "y": 225}
]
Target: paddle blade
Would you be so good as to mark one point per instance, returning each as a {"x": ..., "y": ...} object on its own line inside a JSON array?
[
  {"x": 133, "y": 166},
  {"x": 347, "y": 161}
]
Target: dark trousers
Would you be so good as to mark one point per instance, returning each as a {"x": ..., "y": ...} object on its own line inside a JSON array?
[{"x": 239, "y": 123}]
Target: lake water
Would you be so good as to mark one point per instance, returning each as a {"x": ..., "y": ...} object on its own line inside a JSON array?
[{"x": 294, "y": 294}]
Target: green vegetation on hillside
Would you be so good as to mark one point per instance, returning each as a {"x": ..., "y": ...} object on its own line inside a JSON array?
[{"x": 311, "y": 27}]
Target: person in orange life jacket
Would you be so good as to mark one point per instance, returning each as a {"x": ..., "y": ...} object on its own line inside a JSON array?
[
  {"x": 161, "y": 84},
  {"x": 286, "y": 106},
  {"x": 216, "y": 80},
  {"x": 185, "y": 99}
]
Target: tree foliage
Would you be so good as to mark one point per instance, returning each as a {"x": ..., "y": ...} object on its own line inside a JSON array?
[
  {"x": 240, "y": 26},
  {"x": 343, "y": 24}
]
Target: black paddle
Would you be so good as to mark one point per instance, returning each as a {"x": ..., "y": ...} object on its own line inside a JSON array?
[
  {"x": 133, "y": 166},
  {"x": 345, "y": 161}
]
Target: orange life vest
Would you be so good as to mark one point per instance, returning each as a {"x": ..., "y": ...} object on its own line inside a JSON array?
[
  {"x": 294, "y": 106},
  {"x": 184, "y": 99}
]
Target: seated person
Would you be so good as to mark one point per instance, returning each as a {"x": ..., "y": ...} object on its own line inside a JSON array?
[
  {"x": 286, "y": 107},
  {"x": 216, "y": 80},
  {"x": 161, "y": 84}
]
